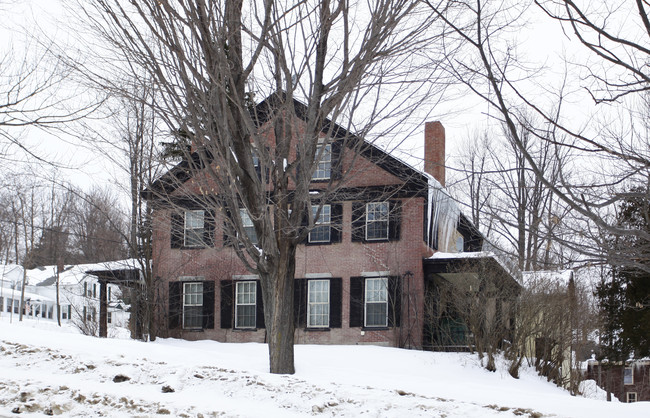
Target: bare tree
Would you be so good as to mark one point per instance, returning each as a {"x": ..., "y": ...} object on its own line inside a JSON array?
[
  {"x": 98, "y": 228},
  {"x": 209, "y": 61},
  {"x": 616, "y": 75}
]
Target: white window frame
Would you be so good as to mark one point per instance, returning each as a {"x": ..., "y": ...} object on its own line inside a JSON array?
[
  {"x": 629, "y": 381},
  {"x": 323, "y": 169},
  {"x": 324, "y": 221},
  {"x": 192, "y": 219},
  {"x": 318, "y": 305},
  {"x": 192, "y": 298},
  {"x": 373, "y": 296},
  {"x": 251, "y": 300},
  {"x": 633, "y": 395},
  {"x": 247, "y": 224},
  {"x": 370, "y": 208}
]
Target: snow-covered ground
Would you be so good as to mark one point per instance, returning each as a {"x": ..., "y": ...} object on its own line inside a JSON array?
[{"x": 46, "y": 370}]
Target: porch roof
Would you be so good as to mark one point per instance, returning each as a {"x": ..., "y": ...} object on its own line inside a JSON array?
[{"x": 468, "y": 262}]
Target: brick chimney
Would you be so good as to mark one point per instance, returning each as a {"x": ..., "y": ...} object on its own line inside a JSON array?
[{"x": 434, "y": 150}]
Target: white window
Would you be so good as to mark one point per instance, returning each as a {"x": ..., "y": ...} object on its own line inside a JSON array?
[
  {"x": 64, "y": 311},
  {"x": 109, "y": 317},
  {"x": 631, "y": 397},
  {"x": 377, "y": 221},
  {"x": 628, "y": 376},
  {"x": 318, "y": 304},
  {"x": 247, "y": 223},
  {"x": 324, "y": 167},
  {"x": 376, "y": 302},
  {"x": 192, "y": 305},
  {"x": 193, "y": 231},
  {"x": 245, "y": 304},
  {"x": 321, "y": 231}
]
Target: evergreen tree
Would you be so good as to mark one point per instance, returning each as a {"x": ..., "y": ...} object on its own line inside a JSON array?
[{"x": 624, "y": 300}]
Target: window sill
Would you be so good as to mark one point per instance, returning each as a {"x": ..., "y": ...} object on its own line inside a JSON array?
[
  {"x": 246, "y": 329},
  {"x": 192, "y": 248},
  {"x": 193, "y": 329},
  {"x": 313, "y": 329},
  {"x": 312, "y": 244},
  {"x": 375, "y": 328}
]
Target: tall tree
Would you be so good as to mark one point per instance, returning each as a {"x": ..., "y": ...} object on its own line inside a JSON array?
[
  {"x": 208, "y": 61},
  {"x": 624, "y": 299},
  {"x": 615, "y": 76}
]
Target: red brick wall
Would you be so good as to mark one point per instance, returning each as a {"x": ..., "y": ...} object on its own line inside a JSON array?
[
  {"x": 346, "y": 259},
  {"x": 611, "y": 376},
  {"x": 434, "y": 150}
]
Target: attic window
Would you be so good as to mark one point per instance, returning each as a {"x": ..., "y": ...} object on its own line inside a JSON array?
[{"x": 324, "y": 167}]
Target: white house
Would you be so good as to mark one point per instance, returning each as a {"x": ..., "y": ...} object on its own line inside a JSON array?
[{"x": 79, "y": 293}]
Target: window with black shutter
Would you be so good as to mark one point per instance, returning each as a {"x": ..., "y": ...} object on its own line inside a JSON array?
[
  {"x": 192, "y": 229},
  {"x": 375, "y": 302},
  {"x": 317, "y": 303},
  {"x": 241, "y": 305},
  {"x": 328, "y": 226},
  {"x": 376, "y": 221}
]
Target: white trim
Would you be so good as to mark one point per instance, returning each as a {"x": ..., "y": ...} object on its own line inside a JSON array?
[
  {"x": 245, "y": 277},
  {"x": 318, "y": 276},
  {"x": 191, "y": 278},
  {"x": 375, "y": 273},
  {"x": 253, "y": 304},
  {"x": 310, "y": 303},
  {"x": 366, "y": 302}
]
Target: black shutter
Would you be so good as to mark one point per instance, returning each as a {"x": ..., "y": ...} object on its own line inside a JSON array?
[
  {"x": 336, "y": 294},
  {"x": 226, "y": 304},
  {"x": 356, "y": 301},
  {"x": 228, "y": 231},
  {"x": 208, "y": 228},
  {"x": 394, "y": 301},
  {"x": 358, "y": 221},
  {"x": 208, "y": 305},
  {"x": 305, "y": 224},
  {"x": 300, "y": 303},
  {"x": 394, "y": 220},
  {"x": 337, "y": 160},
  {"x": 175, "y": 304},
  {"x": 177, "y": 230},
  {"x": 336, "y": 229},
  {"x": 259, "y": 307}
]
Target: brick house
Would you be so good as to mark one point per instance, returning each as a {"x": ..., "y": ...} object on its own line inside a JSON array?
[
  {"x": 360, "y": 276},
  {"x": 629, "y": 381}
]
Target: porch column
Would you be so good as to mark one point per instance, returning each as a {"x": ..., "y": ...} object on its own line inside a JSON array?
[{"x": 103, "y": 309}]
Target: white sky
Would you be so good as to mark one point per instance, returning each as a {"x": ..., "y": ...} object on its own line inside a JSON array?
[{"x": 540, "y": 41}]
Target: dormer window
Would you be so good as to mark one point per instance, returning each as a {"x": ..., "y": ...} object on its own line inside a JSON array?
[{"x": 324, "y": 167}]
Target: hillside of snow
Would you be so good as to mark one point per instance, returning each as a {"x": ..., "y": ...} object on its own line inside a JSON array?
[{"x": 47, "y": 370}]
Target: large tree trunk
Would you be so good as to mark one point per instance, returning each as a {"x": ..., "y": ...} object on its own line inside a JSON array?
[{"x": 277, "y": 293}]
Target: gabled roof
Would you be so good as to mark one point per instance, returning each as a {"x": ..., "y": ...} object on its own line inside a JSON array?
[{"x": 263, "y": 112}]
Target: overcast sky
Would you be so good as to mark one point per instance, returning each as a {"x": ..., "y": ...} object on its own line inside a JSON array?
[{"x": 540, "y": 40}]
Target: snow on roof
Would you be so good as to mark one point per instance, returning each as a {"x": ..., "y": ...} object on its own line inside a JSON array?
[
  {"x": 11, "y": 273},
  {"x": 439, "y": 255},
  {"x": 73, "y": 274}
]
